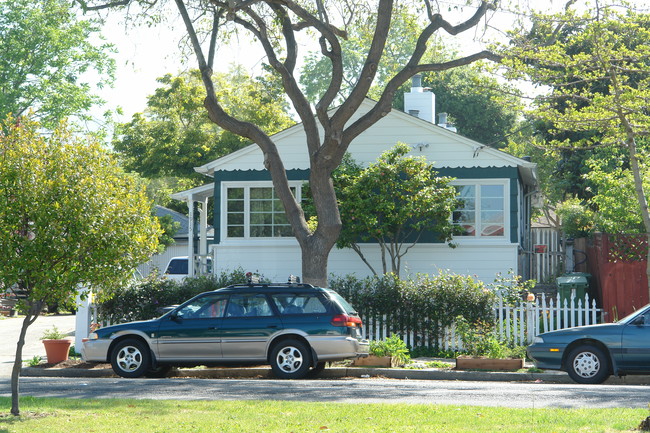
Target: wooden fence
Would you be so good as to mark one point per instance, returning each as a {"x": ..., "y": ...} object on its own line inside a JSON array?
[
  {"x": 546, "y": 255},
  {"x": 518, "y": 324}
]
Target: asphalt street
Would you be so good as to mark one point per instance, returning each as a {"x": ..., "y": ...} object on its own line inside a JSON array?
[
  {"x": 371, "y": 390},
  {"x": 10, "y": 331}
]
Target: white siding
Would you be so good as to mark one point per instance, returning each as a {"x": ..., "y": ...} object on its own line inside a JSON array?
[
  {"x": 160, "y": 261},
  {"x": 445, "y": 148},
  {"x": 277, "y": 262}
]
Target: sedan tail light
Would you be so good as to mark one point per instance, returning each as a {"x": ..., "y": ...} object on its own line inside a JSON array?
[{"x": 345, "y": 320}]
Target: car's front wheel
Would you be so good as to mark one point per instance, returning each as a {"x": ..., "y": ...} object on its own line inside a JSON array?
[
  {"x": 588, "y": 364},
  {"x": 130, "y": 358},
  {"x": 290, "y": 359}
]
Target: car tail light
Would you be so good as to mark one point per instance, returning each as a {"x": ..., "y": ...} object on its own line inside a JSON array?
[{"x": 345, "y": 320}]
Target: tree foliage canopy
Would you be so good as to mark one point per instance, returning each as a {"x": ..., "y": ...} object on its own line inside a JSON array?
[
  {"x": 478, "y": 106},
  {"x": 46, "y": 50},
  {"x": 174, "y": 134},
  {"x": 68, "y": 213}
]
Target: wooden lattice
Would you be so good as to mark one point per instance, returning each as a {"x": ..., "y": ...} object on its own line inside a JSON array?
[{"x": 627, "y": 248}]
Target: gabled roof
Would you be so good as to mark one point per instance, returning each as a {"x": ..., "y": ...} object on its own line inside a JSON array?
[{"x": 440, "y": 145}]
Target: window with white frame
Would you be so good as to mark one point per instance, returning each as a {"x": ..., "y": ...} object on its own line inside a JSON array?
[
  {"x": 482, "y": 209},
  {"x": 255, "y": 211}
]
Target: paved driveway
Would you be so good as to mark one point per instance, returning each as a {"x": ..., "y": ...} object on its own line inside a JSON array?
[{"x": 10, "y": 330}]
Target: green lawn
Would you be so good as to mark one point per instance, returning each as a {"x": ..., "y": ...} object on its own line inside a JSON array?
[{"x": 157, "y": 416}]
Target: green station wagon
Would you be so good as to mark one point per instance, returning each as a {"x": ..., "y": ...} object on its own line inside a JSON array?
[{"x": 296, "y": 328}]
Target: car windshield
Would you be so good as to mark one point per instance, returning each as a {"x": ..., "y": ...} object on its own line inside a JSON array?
[{"x": 631, "y": 316}]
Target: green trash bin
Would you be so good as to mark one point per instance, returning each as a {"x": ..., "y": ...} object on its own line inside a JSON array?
[{"x": 568, "y": 284}]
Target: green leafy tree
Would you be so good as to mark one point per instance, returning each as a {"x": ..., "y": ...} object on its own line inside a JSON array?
[
  {"x": 616, "y": 207},
  {"x": 481, "y": 108},
  {"x": 394, "y": 202},
  {"x": 599, "y": 90},
  {"x": 69, "y": 218},
  {"x": 45, "y": 50},
  {"x": 174, "y": 134},
  {"x": 280, "y": 29}
]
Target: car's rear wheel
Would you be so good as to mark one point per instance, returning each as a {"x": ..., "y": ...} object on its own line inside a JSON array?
[
  {"x": 588, "y": 364},
  {"x": 290, "y": 359},
  {"x": 130, "y": 358}
]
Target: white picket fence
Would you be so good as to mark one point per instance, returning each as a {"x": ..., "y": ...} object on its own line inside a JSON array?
[{"x": 518, "y": 324}]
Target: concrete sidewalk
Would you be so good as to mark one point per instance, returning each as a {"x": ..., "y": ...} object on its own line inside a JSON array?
[{"x": 10, "y": 331}]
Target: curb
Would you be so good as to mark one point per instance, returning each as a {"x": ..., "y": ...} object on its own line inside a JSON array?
[
  {"x": 328, "y": 373},
  {"x": 547, "y": 376}
]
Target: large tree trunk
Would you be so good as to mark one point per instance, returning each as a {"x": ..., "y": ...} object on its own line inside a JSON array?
[
  {"x": 30, "y": 317},
  {"x": 314, "y": 255},
  {"x": 316, "y": 246}
]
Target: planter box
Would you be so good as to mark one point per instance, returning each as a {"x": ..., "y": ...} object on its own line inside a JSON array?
[
  {"x": 468, "y": 363},
  {"x": 374, "y": 361}
]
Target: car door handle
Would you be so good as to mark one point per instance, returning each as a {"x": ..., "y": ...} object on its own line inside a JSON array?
[{"x": 212, "y": 328}]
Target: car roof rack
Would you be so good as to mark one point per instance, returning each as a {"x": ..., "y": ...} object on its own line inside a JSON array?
[
  {"x": 254, "y": 281},
  {"x": 271, "y": 285}
]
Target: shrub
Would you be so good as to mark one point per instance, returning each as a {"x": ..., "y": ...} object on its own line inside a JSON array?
[
  {"x": 425, "y": 305},
  {"x": 393, "y": 346},
  {"x": 479, "y": 339},
  {"x": 145, "y": 299}
]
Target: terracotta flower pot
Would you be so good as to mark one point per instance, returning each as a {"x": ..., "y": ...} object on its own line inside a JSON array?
[{"x": 57, "y": 350}]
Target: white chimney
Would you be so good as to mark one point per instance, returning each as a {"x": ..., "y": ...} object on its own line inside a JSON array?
[{"x": 420, "y": 100}]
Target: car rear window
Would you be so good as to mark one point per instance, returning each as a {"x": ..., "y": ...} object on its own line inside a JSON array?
[
  {"x": 349, "y": 309},
  {"x": 299, "y": 303},
  {"x": 177, "y": 267}
]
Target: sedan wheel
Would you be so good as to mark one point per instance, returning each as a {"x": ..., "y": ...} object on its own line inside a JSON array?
[
  {"x": 130, "y": 358},
  {"x": 290, "y": 359},
  {"x": 588, "y": 364}
]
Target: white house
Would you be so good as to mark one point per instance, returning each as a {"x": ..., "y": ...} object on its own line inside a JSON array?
[{"x": 250, "y": 229}]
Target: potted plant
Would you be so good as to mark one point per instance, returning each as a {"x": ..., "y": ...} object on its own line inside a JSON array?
[
  {"x": 483, "y": 350},
  {"x": 391, "y": 352},
  {"x": 57, "y": 347}
]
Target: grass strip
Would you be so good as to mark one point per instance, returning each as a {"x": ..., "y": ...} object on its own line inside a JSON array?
[{"x": 161, "y": 416}]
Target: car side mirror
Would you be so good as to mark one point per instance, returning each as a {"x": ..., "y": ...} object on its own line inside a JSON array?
[{"x": 175, "y": 316}]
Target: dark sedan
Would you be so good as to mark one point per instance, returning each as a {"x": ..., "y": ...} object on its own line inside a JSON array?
[{"x": 590, "y": 354}]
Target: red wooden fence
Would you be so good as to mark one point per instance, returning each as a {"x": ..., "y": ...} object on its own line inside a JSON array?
[{"x": 618, "y": 266}]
